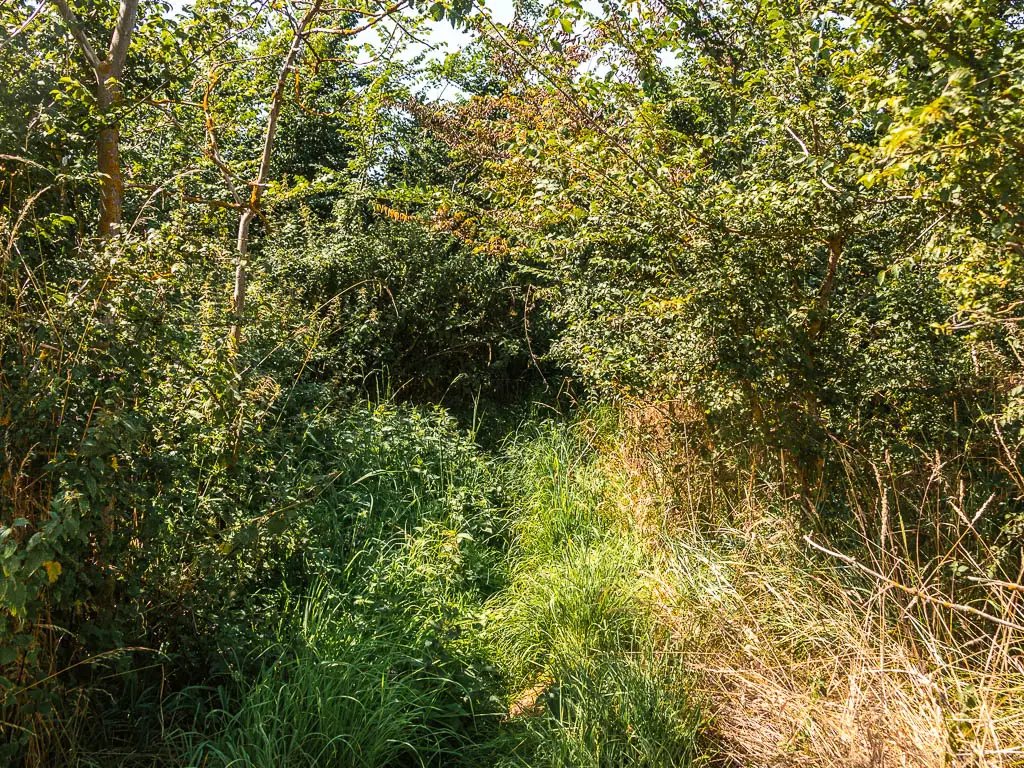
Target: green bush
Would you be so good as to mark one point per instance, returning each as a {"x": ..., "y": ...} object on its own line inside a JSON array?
[{"x": 399, "y": 305}]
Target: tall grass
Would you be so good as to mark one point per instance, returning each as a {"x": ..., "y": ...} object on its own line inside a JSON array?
[
  {"x": 332, "y": 694},
  {"x": 549, "y": 657},
  {"x": 590, "y": 684},
  {"x": 860, "y": 652}
]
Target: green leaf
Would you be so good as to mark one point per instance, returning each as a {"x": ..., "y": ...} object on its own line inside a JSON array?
[{"x": 277, "y": 525}]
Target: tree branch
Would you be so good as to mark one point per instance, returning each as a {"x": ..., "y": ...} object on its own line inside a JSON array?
[
  {"x": 119, "y": 41},
  {"x": 258, "y": 185},
  {"x": 25, "y": 25},
  {"x": 75, "y": 27}
]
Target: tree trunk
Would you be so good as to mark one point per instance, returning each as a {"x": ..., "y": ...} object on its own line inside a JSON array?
[
  {"x": 108, "y": 71},
  {"x": 108, "y": 155},
  {"x": 238, "y": 296},
  {"x": 835, "y": 250}
]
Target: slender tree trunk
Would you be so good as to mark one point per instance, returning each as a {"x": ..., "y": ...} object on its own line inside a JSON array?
[
  {"x": 242, "y": 246},
  {"x": 108, "y": 70},
  {"x": 238, "y": 296},
  {"x": 108, "y": 155},
  {"x": 835, "y": 251}
]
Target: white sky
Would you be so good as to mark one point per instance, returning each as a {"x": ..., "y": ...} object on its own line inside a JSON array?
[{"x": 440, "y": 34}]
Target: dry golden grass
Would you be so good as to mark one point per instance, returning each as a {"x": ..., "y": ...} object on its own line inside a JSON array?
[
  {"x": 795, "y": 681},
  {"x": 803, "y": 659}
]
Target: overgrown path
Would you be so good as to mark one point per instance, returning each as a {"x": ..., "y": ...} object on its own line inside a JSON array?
[
  {"x": 577, "y": 598},
  {"x": 571, "y": 602},
  {"x": 646, "y": 622}
]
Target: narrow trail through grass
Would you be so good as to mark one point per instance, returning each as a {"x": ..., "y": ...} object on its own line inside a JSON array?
[
  {"x": 507, "y": 623},
  {"x": 573, "y": 629}
]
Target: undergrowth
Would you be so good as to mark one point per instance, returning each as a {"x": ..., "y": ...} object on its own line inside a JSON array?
[
  {"x": 579, "y": 598},
  {"x": 559, "y": 665}
]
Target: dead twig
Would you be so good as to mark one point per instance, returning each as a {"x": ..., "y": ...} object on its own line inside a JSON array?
[{"x": 913, "y": 590}]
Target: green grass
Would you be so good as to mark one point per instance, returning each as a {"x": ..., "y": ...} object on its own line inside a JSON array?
[
  {"x": 573, "y": 620},
  {"x": 424, "y": 596},
  {"x": 334, "y": 694},
  {"x": 437, "y": 632}
]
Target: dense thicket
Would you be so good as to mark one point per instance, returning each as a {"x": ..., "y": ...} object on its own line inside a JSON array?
[
  {"x": 801, "y": 220},
  {"x": 241, "y": 282}
]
